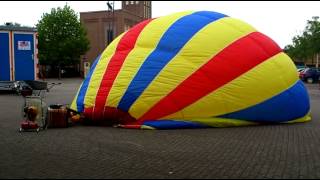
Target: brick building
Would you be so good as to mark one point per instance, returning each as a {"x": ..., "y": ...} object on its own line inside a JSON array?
[{"x": 99, "y": 25}]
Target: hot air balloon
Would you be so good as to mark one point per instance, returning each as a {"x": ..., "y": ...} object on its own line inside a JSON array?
[{"x": 193, "y": 69}]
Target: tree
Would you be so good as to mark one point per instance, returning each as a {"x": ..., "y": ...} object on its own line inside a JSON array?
[
  {"x": 15, "y": 24},
  {"x": 62, "y": 38},
  {"x": 12, "y": 24},
  {"x": 313, "y": 31},
  {"x": 306, "y": 45}
]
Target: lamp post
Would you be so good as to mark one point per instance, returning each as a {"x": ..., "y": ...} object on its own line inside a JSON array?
[
  {"x": 317, "y": 61},
  {"x": 110, "y": 29}
]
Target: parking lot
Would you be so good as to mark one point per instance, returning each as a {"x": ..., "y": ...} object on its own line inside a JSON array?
[{"x": 270, "y": 151}]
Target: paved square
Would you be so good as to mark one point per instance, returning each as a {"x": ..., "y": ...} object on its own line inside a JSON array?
[{"x": 273, "y": 151}]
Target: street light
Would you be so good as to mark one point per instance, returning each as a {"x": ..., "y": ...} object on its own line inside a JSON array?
[
  {"x": 109, "y": 6},
  {"x": 110, "y": 29}
]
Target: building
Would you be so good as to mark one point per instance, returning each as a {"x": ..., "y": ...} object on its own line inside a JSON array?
[
  {"x": 311, "y": 62},
  {"x": 18, "y": 53},
  {"x": 103, "y": 26}
]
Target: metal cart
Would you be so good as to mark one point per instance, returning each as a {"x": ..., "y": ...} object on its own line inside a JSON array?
[{"x": 35, "y": 99}]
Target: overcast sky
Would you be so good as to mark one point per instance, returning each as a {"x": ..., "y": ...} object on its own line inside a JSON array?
[{"x": 280, "y": 20}]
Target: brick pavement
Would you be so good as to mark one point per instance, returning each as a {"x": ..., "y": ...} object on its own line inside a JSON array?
[{"x": 271, "y": 151}]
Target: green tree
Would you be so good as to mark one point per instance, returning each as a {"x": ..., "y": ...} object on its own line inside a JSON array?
[
  {"x": 307, "y": 45},
  {"x": 12, "y": 24},
  {"x": 62, "y": 38},
  {"x": 313, "y": 31},
  {"x": 15, "y": 24}
]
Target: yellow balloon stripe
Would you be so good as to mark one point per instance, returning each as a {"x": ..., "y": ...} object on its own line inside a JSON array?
[
  {"x": 247, "y": 90},
  {"x": 98, "y": 73},
  {"x": 146, "y": 43},
  {"x": 306, "y": 118},
  {"x": 74, "y": 102},
  {"x": 147, "y": 127},
  {"x": 226, "y": 122},
  {"x": 222, "y": 122},
  {"x": 201, "y": 47}
]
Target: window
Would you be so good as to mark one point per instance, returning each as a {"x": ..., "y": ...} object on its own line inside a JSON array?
[
  {"x": 127, "y": 2},
  {"x": 137, "y": 2},
  {"x": 131, "y": 2}
]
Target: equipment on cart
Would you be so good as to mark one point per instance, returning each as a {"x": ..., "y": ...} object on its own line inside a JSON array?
[
  {"x": 30, "y": 123},
  {"x": 34, "y": 108}
]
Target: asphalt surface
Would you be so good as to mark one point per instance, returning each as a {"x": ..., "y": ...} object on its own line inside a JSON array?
[{"x": 269, "y": 151}]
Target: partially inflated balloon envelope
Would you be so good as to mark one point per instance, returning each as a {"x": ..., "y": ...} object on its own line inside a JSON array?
[{"x": 193, "y": 70}]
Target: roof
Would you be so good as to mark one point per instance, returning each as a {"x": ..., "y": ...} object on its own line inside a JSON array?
[
  {"x": 16, "y": 28},
  {"x": 102, "y": 11}
]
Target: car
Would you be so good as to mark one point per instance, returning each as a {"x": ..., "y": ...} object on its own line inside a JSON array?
[
  {"x": 300, "y": 69},
  {"x": 310, "y": 75}
]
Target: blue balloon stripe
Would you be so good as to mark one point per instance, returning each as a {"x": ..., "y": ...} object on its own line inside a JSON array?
[
  {"x": 169, "y": 45},
  {"x": 291, "y": 104},
  {"x": 84, "y": 87},
  {"x": 172, "y": 124}
]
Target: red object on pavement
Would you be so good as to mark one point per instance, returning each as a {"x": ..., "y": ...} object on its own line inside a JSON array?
[{"x": 29, "y": 125}]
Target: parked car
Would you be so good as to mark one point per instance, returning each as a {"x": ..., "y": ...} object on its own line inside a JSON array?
[
  {"x": 310, "y": 75},
  {"x": 300, "y": 69}
]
